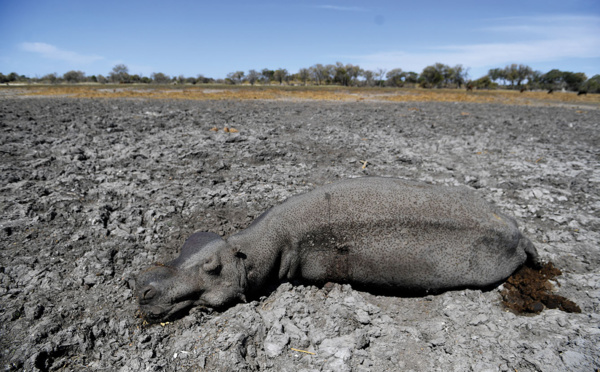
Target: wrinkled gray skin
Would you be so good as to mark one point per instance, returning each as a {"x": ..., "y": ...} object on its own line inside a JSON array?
[{"x": 383, "y": 233}]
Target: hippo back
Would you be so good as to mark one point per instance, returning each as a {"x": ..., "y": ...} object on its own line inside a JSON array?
[{"x": 388, "y": 232}]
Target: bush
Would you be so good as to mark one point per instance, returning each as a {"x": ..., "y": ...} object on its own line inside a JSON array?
[{"x": 592, "y": 85}]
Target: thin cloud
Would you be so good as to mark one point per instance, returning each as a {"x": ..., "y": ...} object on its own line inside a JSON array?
[
  {"x": 518, "y": 40},
  {"x": 342, "y": 8},
  {"x": 546, "y": 26},
  {"x": 51, "y": 52},
  {"x": 551, "y": 19}
]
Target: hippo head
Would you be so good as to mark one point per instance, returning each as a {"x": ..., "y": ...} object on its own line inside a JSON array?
[{"x": 207, "y": 273}]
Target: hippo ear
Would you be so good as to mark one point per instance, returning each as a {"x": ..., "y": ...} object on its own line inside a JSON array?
[
  {"x": 212, "y": 265},
  {"x": 195, "y": 243}
]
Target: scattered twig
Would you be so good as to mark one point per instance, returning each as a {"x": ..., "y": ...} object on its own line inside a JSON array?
[{"x": 303, "y": 351}]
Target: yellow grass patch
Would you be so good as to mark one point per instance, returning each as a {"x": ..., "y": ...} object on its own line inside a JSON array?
[{"x": 312, "y": 93}]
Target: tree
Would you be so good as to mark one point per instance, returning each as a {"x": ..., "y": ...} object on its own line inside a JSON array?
[
  {"x": 395, "y": 78},
  {"x": 451, "y": 76},
  {"x": 252, "y": 76},
  {"x": 236, "y": 77},
  {"x": 573, "y": 80},
  {"x": 136, "y": 79},
  {"x": 495, "y": 74},
  {"x": 324, "y": 74},
  {"x": 511, "y": 73},
  {"x": 191, "y": 80},
  {"x": 203, "y": 80},
  {"x": 318, "y": 73},
  {"x": 380, "y": 73},
  {"x": 341, "y": 75},
  {"x": 74, "y": 76},
  {"x": 592, "y": 85},
  {"x": 119, "y": 74},
  {"x": 523, "y": 73},
  {"x": 552, "y": 79},
  {"x": 353, "y": 72},
  {"x": 411, "y": 77},
  {"x": 484, "y": 82},
  {"x": 13, "y": 76},
  {"x": 304, "y": 75},
  {"x": 181, "y": 80},
  {"x": 160, "y": 78},
  {"x": 267, "y": 75},
  {"x": 447, "y": 73},
  {"x": 280, "y": 75},
  {"x": 432, "y": 76},
  {"x": 459, "y": 75},
  {"x": 535, "y": 80},
  {"x": 51, "y": 78},
  {"x": 329, "y": 73},
  {"x": 369, "y": 77}
]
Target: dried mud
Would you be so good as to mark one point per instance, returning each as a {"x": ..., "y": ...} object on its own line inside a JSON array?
[{"x": 95, "y": 190}]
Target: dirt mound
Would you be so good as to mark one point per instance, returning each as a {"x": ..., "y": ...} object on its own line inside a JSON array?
[{"x": 529, "y": 290}]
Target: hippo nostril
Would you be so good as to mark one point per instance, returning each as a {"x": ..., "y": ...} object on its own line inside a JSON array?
[{"x": 148, "y": 292}]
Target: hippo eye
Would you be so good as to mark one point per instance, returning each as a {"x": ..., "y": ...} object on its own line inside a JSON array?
[
  {"x": 240, "y": 254},
  {"x": 212, "y": 265}
]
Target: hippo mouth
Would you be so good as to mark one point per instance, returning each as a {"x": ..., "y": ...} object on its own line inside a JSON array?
[
  {"x": 158, "y": 313},
  {"x": 155, "y": 303}
]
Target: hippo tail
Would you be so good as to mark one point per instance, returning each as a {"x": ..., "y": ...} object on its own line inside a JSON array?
[{"x": 533, "y": 258}]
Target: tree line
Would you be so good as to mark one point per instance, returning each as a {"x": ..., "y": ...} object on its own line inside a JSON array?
[
  {"x": 353, "y": 75},
  {"x": 438, "y": 75},
  {"x": 524, "y": 77},
  {"x": 118, "y": 75}
]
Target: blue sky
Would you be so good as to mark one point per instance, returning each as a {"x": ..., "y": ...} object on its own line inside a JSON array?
[{"x": 214, "y": 38}]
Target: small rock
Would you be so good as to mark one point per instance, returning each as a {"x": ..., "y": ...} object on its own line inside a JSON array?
[
  {"x": 479, "y": 319},
  {"x": 362, "y": 316}
]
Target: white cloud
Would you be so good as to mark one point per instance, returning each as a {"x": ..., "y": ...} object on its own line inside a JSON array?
[
  {"x": 51, "y": 52},
  {"x": 513, "y": 40}
]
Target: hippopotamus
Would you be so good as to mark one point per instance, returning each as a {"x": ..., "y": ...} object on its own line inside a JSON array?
[{"x": 380, "y": 233}]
